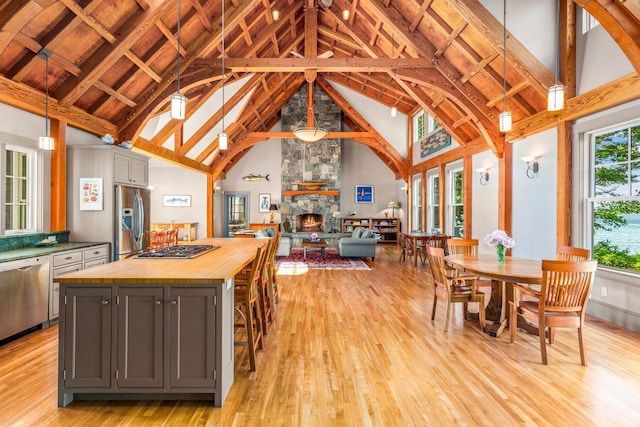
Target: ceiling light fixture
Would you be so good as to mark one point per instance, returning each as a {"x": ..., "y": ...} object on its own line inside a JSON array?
[
  {"x": 555, "y": 99},
  {"x": 46, "y": 142},
  {"x": 178, "y": 101},
  {"x": 223, "y": 138},
  {"x": 307, "y": 133},
  {"x": 275, "y": 15},
  {"x": 346, "y": 14},
  {"x": 505, "y": 116}
]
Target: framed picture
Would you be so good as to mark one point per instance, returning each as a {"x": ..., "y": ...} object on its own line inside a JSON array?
[
  {"x": 176, "y": 200},
  {"x": 364, "y": 193},
  {"x": 91, "y": 195},
  {"x": 264, "y": 202}
]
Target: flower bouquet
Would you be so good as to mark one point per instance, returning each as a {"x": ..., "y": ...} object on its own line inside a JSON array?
[
  {"x": 314, "y": 237},
  {"x": 501, "y": 241}
]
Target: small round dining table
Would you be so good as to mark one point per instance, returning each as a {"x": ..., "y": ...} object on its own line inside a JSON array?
[{"x": 502, "y": 275}]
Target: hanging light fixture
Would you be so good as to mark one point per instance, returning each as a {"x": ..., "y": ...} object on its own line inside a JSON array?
[
  {"x": 275, "y": 14},
  {"x": 307, "y": 133},
  {"x": 223, "y": 138},
  {"x": 46, "y": 142},
  {"x": 505, "y": 116},
  {"x": 178, "y": 101},
  {"x": 555, "y": 99},
  {"x": 394, "y": 111}
]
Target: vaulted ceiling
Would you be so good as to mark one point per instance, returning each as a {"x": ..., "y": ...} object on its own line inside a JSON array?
[{"x": 113, "y": 65}]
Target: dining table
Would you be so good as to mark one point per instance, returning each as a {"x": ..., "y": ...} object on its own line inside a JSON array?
[{"x": 503, "y": 275}]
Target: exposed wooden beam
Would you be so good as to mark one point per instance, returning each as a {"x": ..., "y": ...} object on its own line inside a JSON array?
[
  {"x": 617, "y": 92},
  {"x": 298, "y": 65},
  {"x": 170, "y": 156},
  {"x": 28, "y": 99}
]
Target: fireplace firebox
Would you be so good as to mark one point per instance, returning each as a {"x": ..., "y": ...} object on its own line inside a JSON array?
[{"x": 309, "y": 222}]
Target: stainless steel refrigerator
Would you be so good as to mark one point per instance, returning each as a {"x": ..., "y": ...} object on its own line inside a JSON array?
[{"x": 132, "y": 224}]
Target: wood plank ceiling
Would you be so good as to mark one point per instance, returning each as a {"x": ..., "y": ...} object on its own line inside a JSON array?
[{"x": 114, "y": 65}]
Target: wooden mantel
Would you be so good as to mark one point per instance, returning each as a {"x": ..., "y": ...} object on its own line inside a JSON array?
[{"x": 335, "y": 193}]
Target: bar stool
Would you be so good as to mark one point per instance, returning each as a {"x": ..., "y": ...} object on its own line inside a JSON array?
[{"x": 247, "y": 306}]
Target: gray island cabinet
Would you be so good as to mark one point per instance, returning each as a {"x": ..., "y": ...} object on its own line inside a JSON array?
[{"x": 151, "y": 328}]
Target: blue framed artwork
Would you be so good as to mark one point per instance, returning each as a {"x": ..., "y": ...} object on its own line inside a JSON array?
[{"x": 364, "y": 193}]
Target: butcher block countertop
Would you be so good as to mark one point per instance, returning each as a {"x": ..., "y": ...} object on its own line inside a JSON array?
[{"x": 215, "y": 267}]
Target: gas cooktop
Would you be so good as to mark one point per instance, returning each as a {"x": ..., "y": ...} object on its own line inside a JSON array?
[{"x": 179, "y": 252}]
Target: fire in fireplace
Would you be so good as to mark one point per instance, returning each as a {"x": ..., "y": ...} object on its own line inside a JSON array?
[{"x": 309, "y": 223}]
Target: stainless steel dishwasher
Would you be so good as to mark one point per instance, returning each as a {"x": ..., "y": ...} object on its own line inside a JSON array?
[{"x": 24, "y": 295}]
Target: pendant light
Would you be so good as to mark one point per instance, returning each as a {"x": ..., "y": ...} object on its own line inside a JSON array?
[
  {"x": 178, "y": 101},
  {"x": 555, "y": 99},
  {"x": 223, "y": 138},
  {"x": 46, "y": 142},
  {"x": 505, "y": 116}
]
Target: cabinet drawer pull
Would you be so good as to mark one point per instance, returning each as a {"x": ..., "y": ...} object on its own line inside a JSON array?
[
  {"x": 105, "y": 301},
  {"x": 174, "y": 302},
  {"x": 158, "y": 302},
  {"x": 68, "y": 258}
]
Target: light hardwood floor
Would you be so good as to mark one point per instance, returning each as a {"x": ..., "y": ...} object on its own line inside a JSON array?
[{"x": 359, "y": 348}]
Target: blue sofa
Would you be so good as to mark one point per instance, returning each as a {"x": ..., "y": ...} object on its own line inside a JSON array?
[{"x": 362, "y": 243}]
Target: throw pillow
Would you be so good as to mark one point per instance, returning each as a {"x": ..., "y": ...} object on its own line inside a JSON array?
[
  {"x": 357, "y": 233},
  {"x": 367, "y": 234},
  {"x": 262, "y": 233},
  {"x": 270, "y": 231}
]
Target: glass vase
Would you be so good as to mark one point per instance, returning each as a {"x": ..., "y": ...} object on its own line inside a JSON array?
[{"x": 500, "y": 249}]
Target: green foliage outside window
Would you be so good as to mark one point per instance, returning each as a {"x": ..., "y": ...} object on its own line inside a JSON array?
[{"x": 616, "y": 217}]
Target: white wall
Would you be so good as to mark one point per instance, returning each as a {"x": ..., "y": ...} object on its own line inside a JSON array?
[
  {"x": 534, "y": 200},
  {"x": 484, "y": 209},
  {"x": 179, "y": 181},
  {"x": 263, "y": 159}
]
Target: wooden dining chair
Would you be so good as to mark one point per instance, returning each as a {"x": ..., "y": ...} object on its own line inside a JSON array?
[
  {"x": 247, "y": 306},
  {"x": 570, "y": 253},
  {"x": 265, "y": 290},
  {"x": 453, "y": 289},
  {"x": 562, "y": 301},
  {"x": 407, "y": 249},
  {"x": 462, "y": 246},
  {"x": 172, "y": 236}
]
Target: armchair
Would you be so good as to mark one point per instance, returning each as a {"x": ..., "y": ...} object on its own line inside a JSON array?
[{"x": 362, "y": 243}]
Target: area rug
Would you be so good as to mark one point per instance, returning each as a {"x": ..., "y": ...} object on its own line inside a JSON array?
[{"x": 295, "y": 262}]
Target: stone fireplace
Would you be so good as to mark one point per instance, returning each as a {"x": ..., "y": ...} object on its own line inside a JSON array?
[
  {"x": 318, "y": 162},
  {"x": 309, "y": 223}
]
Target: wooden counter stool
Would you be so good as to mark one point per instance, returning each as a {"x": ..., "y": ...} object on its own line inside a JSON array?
[{"x": 247, "y": 306}]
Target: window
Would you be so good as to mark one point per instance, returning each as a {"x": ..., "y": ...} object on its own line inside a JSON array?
[
  {"x": 434, "y": 202},
  {"x": 456, "y": 203},
  {"x": 19, "y": 179},
  {"x": 416, "y": 217},
  {"x": 418, "y": 127},
  {"x": 433, "y": 124},
  {"x": 588, "y": 21},
  {"x": 615, "y": 197}
]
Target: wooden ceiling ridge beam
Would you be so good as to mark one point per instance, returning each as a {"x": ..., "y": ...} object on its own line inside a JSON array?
[
  {"x": 401, "y": 163},
  {"x": 519, "y": 57},
  {"x": 107, "y": 55},
  {"x": 620, "y": 23},
  {"x": 156, "y": 96},
  {"x": 617, "y": 92}
]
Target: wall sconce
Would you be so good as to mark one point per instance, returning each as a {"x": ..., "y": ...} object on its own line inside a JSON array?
[
  {"x": 532, "y": 166},
  {"x": 484, "y": 175}
]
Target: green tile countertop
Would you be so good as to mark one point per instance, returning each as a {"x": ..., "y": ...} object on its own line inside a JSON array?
[{"x": 35, "y": 251}]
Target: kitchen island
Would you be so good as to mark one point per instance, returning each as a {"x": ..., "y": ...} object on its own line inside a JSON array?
[{"x": 149, "y": 328}]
